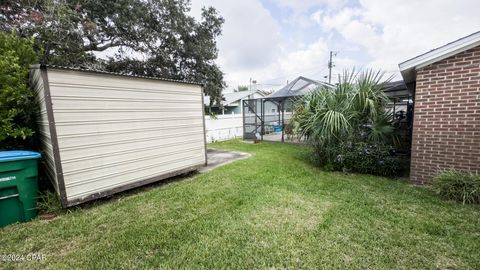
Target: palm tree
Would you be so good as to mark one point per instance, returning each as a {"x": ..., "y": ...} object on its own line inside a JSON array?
[{"x": 354, "y": 107}]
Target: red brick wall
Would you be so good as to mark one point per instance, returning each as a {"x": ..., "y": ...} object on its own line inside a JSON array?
[{"x": 446, "y": 124}]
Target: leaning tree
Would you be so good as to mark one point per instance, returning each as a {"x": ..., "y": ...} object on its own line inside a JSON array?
[{"x": 151, "y": 38}]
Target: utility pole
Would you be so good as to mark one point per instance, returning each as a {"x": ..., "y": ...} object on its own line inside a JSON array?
[{"x": 330, "y": 66}]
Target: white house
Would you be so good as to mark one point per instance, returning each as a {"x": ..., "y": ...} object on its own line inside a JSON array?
[{"x": 232, "y": 103}]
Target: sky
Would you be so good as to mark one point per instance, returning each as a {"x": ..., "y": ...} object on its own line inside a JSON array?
[{"x": 275, "y": 41}]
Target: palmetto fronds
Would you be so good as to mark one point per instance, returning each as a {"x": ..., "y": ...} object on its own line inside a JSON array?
[
  {"x": 355, "y": 105},
  {"x": 369, "y": 98}
]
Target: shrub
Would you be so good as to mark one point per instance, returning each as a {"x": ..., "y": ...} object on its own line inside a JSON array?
[
  {"x": 17, "y": 106},
  {"x": 371, "y": 158},
  {"x": 458, "y": 185},
  {"x": 375, "y": 158}
]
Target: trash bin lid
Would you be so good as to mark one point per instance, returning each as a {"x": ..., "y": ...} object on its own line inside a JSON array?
[{"x": 18, "y": 155}]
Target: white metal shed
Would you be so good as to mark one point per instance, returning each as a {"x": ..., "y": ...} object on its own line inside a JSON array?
[{"x": 103, "y": 133}]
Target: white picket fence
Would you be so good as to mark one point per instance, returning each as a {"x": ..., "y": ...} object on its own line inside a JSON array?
[{"x": 224, "y": 127}]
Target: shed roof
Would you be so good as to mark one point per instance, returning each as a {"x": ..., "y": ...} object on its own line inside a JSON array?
[
  {"x": 298, "y": 87},
  {"x": 409, "y": 67},
  {"x": 83, "y": 69}
]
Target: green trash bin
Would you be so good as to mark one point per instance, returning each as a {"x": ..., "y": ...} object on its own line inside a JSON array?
[{"x": 18, "y": 186}]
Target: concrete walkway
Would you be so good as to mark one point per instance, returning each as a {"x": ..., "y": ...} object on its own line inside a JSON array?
[{"x": 217, "y": 158}]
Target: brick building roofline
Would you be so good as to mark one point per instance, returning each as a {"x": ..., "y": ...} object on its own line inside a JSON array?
[{"x": 408, "y": 68}]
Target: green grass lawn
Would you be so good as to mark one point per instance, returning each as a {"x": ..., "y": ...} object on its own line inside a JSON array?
[{"x": 273, "y": 210}]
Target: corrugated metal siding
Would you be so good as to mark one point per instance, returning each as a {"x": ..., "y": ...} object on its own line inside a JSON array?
[
  {"x": 43, "y": 127},
  {"x": 113, "y": 131}
]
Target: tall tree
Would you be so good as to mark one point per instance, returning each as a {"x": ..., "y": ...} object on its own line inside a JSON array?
[
  {"x": 151, "y": 38},
  {"x": 241, "y": 88},
  {"x": 17, "y": 106}
]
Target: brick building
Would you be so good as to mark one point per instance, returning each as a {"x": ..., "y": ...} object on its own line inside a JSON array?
[{"x": 446, "y": 119}]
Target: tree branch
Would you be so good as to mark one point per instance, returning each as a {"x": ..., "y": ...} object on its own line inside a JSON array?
[{"x": 99, "y": 48}]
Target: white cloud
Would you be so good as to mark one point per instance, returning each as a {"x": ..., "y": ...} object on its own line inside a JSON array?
[
  {"x": 340, "y": 19},
  {"x": 297, "y": 13},
  {"x": 317, "y": 16},
  {"x": 312, "y": 57},
  {"x": 252, "y": 46},
  {"x": 296, "y": 39},
  {"x": 250, "y": 41},
  {"x": 304, "y": 5},
  {"x": 396, "y": 30},
  {"x": 309, "y": 61}
]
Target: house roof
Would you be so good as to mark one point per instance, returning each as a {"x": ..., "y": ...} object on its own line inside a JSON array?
[
  {"x": 409, "y": 67},
  {"x": 396, "y": 89},
  {"x": 234, "y": 96},
  {"x": 82, "y": 69},
  {"x": 394, "y": 86},
  {"x": 298, "y": 87}
]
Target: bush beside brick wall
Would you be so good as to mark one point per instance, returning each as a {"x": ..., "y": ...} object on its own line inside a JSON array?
[{"x": 446, "y": 128}]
